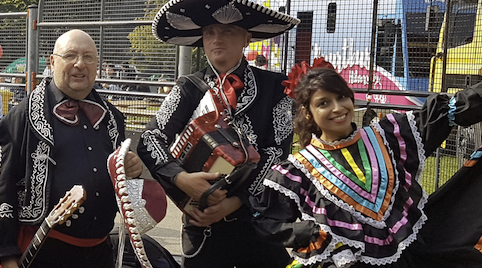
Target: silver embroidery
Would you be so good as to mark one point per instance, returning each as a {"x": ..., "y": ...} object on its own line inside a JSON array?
[
  {"x": 181, "y": 40},
  {"x": 283, "y": 120},
  {"x": 246, "y": 127},
  {"x": 169, "y": 105},
  {"x": 112, "y": 128},
  {"x": 270, "y": 28},
  {"x": 36, "y": 114},
  {"x": 248, "y": 95},
  {"x": 227, "y": 14},
  {"x": 36, "y": 208},
  {"x": 274, "y": 157},
  {"x": 144, "y": 221},
  {"x": 152, "y": 145},
  {"x": 180, "y": 22},
  {"x": 6, "y": 211}
]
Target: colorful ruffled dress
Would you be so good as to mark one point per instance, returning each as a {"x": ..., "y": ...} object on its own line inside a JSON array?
[{"x": 358, "y": 200}]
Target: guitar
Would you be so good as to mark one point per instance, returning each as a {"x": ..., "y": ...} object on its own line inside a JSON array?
[{"x": 61, "y": 212}]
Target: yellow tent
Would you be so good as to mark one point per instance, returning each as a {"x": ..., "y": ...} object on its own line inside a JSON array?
[{"x": 6, "y": 96}]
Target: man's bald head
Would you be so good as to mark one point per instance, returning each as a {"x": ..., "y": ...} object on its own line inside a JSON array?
[{"x": 75, "y": 79}]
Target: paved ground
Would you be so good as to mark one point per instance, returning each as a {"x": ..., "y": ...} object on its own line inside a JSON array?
[{"x": 168, "y": 231}]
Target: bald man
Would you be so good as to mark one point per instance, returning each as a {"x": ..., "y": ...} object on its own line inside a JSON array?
[{"x": 46, "y": 149}]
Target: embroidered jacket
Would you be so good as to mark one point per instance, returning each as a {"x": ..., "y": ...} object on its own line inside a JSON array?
[
  {"x": 359, "y": 199},
  {"x": 263, "y": 113},
  {"x": 27, "y": 142}
]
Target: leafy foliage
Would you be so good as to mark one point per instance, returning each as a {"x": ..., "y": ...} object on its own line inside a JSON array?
[
  {"x": 15, "y": 5},
  {"x": 143, "y": 42}
]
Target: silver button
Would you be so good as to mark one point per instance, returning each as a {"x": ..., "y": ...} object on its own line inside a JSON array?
[
  {"x": 89, "y": 148},
  {"x": 97, "y": 194},
  {"x": 85, "y": 126},
  {"x": 94, "y": 169}
]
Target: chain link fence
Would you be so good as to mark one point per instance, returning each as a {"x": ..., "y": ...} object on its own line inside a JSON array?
[{"x": 392, "y": 54}]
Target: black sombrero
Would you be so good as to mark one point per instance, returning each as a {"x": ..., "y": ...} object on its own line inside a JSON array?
[{"x": 180, "y": 22}]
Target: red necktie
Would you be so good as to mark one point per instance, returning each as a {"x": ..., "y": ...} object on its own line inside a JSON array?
[
  {"x": 67, "y": 111},
  {"x": 230, "y": 85}
]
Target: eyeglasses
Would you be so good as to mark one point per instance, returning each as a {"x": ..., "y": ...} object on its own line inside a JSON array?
[{"x": 73, "y": 58}]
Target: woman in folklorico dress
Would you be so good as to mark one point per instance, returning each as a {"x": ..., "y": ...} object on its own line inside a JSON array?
[{"x": 352, "y": 196}]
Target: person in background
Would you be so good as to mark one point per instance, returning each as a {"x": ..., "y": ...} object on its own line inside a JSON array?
[
  {"x": 261, "y": 61},
  {"x": 221, "y": 235},
  {"x": 108, "y": 72},
  {"x": 127, "y": 73},
  {"x": 352, "y": 196},
  {"x": 60, "y": 136},
  {"x": 143, "y": 88},
  {"x": 48, "y": 69},
  {"x": 18, "y": 90}
]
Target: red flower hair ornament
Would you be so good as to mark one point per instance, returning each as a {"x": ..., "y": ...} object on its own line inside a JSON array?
[{"x": 297, "y": 72}]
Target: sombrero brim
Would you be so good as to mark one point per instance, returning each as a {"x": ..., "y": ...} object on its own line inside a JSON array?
[
  {"x": 180, "y": 22},
  {"x": 142, "y": 203}
]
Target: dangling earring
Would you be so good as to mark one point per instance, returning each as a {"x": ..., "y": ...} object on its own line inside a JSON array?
[{"x": 307, "y": 114}]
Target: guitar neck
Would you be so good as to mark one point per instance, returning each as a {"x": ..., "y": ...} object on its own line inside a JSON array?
[{"x": 35, "y": 245}]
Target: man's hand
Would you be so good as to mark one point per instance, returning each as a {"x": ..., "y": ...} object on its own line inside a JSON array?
[
  {"x": 132, "y": 165},
  {"x": 215, "y": 213},
  {"x": 10, "y": 262},
  {"x": 195, "y": 184}
]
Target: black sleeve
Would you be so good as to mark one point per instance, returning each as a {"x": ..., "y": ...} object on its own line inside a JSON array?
[
  {"x": 161, "y": 131},
  {"x": 433, "y": 121}
]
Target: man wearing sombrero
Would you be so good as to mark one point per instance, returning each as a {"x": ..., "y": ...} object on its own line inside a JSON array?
[{"x": 221, "y": 235}]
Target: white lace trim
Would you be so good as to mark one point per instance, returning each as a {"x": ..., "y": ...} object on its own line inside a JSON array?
[
  {"x": 340, "y": 203},
  {"x": 420, "y": 145},
  {"x": 348, "y": 259},
  {"x": 337, "y": 142},
  {"x": 323, "y": 257},
  {"x": 274, "y": 155},
  {"x": 344, "y": 259}
]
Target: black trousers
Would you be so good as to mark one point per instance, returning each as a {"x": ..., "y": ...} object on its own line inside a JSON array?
[
  {"x": 231, "y": 244},
  {"x": 57, "y": 254}
]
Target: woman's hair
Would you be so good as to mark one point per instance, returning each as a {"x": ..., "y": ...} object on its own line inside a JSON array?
[{"x": 315, "y": 79}]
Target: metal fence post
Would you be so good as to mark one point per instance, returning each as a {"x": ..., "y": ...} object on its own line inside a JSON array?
[
  {"x": 185, "y": 59},
  {"x": 32, "y": 47},
  {"x": 437, "y": 167}
]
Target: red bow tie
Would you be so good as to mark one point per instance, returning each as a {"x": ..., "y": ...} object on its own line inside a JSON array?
[
  {"x": 67, "y": 111},
  {"x": 230, "y": 85}
]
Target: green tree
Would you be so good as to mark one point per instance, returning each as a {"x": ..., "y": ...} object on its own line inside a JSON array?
[
  {"x": 145, "y": 44},
  {"x": 15, "y": 5}
]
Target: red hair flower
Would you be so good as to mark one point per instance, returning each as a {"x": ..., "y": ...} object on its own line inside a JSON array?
[{"x": 297, "y": 72}]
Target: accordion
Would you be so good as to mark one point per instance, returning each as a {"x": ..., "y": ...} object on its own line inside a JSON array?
[{"x": 212, "y": 143}]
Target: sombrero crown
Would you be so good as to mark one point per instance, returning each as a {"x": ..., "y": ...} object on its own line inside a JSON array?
[{"x": 180, "y": 22}]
